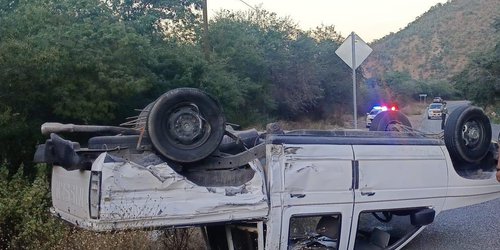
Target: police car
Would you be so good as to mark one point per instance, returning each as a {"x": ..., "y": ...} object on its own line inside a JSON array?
[{"x": 375, "y": 111}]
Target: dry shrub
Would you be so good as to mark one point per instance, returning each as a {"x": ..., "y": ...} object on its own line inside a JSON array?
[
  {"x": 493, "y": 112},
  {"x": 83, "y": 239},
  {"x": 416, "y": 108},
  {"x": 310, "y": 124},
  {"x": 183, "y": 239}
]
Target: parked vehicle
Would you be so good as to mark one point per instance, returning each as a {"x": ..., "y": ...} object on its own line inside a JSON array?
[
  {"x": 377, "y": 110},
  {"x": 437, "y": 99},
  {"x": 434, "y": 111},
  {"x": 345, "y": 189}
]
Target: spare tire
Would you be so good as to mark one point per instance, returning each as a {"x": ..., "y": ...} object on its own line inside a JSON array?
[
  {"x": 467, "y": 134},
  {"x": 390, "y": 121},
  {"x": 186, "y": 125}
]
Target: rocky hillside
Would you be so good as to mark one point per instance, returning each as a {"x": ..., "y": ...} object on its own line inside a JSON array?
[{"x": 438, "y": 43}]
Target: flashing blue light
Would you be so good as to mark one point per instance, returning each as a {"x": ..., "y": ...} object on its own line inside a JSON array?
[{"x": 383, "y": 108}]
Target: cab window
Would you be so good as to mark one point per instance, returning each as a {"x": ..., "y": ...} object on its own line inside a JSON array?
[
  {"x": 314, "y": 232},
  {"x": 389, "y": 228}
]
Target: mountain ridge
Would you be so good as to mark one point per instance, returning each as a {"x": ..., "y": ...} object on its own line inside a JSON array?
[{"x": 439, "y": 43}]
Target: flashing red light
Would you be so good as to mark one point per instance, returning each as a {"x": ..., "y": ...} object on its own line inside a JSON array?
[{"x": 386, "y": 108}]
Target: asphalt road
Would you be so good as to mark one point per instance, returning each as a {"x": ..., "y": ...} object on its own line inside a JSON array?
[
  {"x": 476, "y": 227},
  {"x": 473, "y": 227},
  {"x": 434, "y": 126}
]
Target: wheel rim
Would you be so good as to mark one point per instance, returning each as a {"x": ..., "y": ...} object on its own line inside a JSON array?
[
  {"x": 471, "y": 133},
  {"x": 185, "y": 127}
]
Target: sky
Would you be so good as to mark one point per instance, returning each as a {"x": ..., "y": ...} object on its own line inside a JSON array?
[{"x": 369, "y": 19}]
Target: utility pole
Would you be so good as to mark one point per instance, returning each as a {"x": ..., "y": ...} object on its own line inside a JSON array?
[{"x": 206, "y": 45}]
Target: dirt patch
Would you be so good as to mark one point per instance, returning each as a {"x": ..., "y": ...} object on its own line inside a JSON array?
[
  {"x": 416, "y": 120},
  {"x": 415, "y": 113}
]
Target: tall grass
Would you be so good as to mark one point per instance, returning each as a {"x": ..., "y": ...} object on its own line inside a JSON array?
[{"x": 182, "y": 239}]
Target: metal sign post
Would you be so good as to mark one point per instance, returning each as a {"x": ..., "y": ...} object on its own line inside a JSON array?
[
  {"x": 353, "y": 51},
  {"x": 354, "y": 102}
]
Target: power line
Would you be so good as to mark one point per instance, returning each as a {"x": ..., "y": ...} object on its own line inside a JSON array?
[{"x": 247, "y": 4}]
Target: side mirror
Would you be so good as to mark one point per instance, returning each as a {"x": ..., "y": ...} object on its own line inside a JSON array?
[{"x": 423, "y": 217}]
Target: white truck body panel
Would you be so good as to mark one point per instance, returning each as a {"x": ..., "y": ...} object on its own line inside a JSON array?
[
  {"x": 392, "y": 172},
  {"x": 307, "y": 179},
  {"x": 479, "y": 187},
  {"x": 133, "y": 196},
  {"x": 316, "y": 174},
  {"x": 70, "y": 191}
]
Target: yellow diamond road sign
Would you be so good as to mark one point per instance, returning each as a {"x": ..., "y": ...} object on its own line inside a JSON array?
[{"x": 360, "y": 50}]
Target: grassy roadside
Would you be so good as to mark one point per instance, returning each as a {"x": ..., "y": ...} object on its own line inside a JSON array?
[{"x": 414, "y": 112}]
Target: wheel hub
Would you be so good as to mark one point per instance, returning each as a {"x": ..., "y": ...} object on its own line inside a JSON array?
[
  {"x": 471, "y": 133},
  {"x": 186, "y": 125}
]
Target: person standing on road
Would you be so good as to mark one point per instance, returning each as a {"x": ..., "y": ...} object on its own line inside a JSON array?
[
  {"x": 498, "y": 160},
  {"x": 444, "y": 112}
]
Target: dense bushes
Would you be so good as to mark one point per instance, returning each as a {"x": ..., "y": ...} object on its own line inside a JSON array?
[
  {"x": 480, "y": 80},
  {"x": 400, "y": 88},
  {"x": 25, "y": 221}
]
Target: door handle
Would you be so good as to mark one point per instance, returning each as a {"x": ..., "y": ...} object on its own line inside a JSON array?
[{"x": 367, "y": 193}]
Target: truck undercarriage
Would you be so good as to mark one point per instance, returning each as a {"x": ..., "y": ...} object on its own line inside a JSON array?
[{"x": 178, "y": 163}]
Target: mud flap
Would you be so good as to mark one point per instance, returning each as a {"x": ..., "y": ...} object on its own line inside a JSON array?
[{"x": 59, "y": 151}]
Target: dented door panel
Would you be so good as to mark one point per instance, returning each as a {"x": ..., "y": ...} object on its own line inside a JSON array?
[{"x": 315, "y": 174}]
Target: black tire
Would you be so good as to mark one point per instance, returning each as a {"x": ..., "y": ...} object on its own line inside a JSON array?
[
  {"x": 467, "y": 134},
  {"x": 389, "y": 121},
  {"x": 186, "y": 125}
]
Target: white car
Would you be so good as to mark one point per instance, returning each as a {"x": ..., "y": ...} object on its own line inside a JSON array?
[
  {"x": 298, "y": 189},
  {"x": 437, "y": 99},
  {"x": 434, "y": 110}
]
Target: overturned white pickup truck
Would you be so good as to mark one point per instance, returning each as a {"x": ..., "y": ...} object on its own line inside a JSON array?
[{"x": 179, "y": 164}]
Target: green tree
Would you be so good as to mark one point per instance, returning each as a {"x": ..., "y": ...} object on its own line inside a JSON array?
[
  {"x": 400, "y": 87},
  {"x": 440, "y": 88},
  {"x": 480, "y": 81},
  {"x": 78, "y": 61},
  {"x": 179, "y": 19},
  {"x": 248, "y": 43},
  {"x": 289, "y": 73},
  {"x": 335, "y": 76}
]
